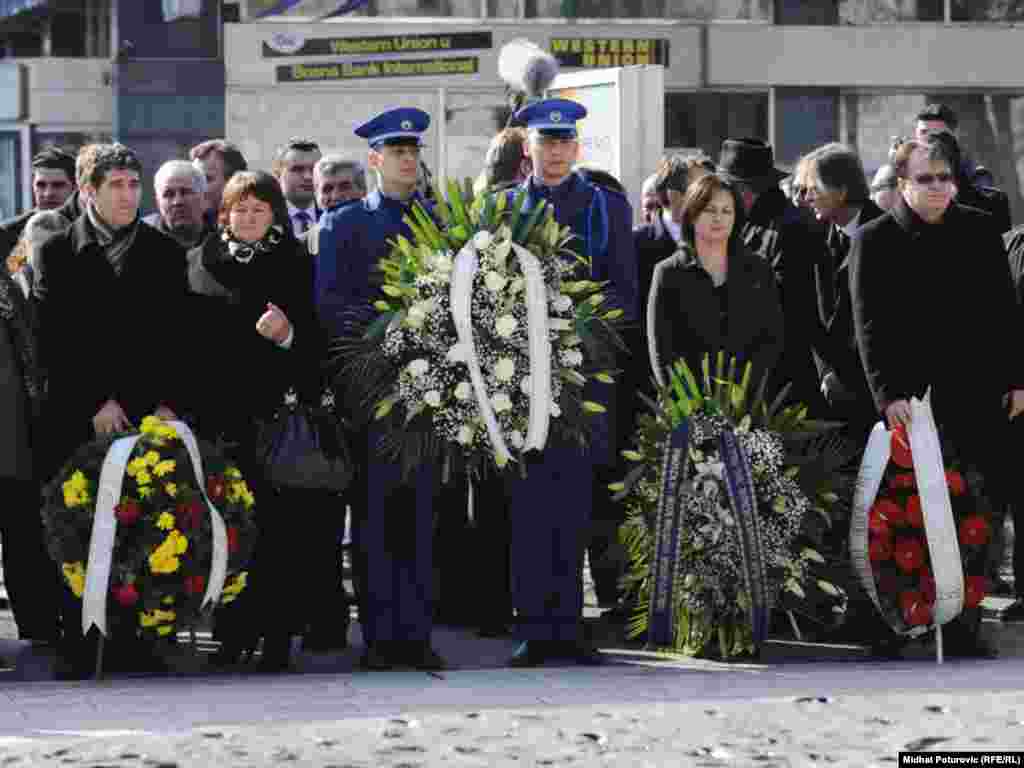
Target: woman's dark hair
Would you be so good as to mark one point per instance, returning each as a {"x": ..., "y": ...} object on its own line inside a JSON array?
[
  {"x": 262, "y": 186},
  {"x": 674, "y": 171},
  {"x": 698, "y": 197}
]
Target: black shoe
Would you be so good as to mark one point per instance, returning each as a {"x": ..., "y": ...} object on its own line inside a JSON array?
[
  {"x": 320, "y": 640},
  {"x": 532, "y": 653},
  {"x": 277, "y": 651},
  {"x": 890, "y": 648},
  {"x": 375, "y": 657},
  {"x": 968, "y": 647},
  {"x": 422, "y": 656},
  {"x": 1014, "y": 612},
  {"x": 587, "y": 655}
]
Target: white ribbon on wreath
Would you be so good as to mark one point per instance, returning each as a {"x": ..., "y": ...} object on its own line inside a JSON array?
[
  {"x": 104, "y": 529},
  {"x": 539, "y": 348}
]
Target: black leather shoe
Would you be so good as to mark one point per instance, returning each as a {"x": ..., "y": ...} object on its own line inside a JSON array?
[
  {"x": 973, "y": 648},
  {"x": 889, "y": 648},
  {"x": 376, "y": 657},
  {"x": 532, "y": 653},
  {"x": 422, "y": 656}
]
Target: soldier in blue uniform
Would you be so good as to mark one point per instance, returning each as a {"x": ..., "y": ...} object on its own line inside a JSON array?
[
  {"x": 392, "y": 529},
  {"x": 552, "y": 506}
]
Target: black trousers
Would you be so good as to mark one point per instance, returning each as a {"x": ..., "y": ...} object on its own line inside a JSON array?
[{"x": 30, "y": 576}]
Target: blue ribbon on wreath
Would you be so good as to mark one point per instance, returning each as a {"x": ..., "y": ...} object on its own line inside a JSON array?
[
  {"x": 667, "y": 538},
  {"x": 743, "y": 502}
]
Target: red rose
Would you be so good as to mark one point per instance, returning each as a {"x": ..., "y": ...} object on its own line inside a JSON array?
[
  {"x": 884, "y": 515},
  {"x": 927, "y": 584},
  {"x": 128, "y": 512},
  {"x": 915, "y": 515},
  {"x": 195, "y": 585},
  {"x": 880, "y": 549},
  {"x": 126, "y": 595},
  {"x": 975, "y": 589},
  {"x": 956, "y": 483},
  {"x": 899, "y": 448},
  {"x": 916, "y": 610},
  {"x": 973, "y": 531},
  {"x": 888, "y": 584},
  {"x": 232, "y": 540},
  {"x": 908, "y": 554},
  {"x": 903, "y": 481},
  {"x": 191, "y": 513},
  {"x": 215, "y": 487}
]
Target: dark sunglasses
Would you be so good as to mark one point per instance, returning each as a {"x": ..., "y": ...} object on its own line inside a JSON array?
[{"x": 927, "y": 179}]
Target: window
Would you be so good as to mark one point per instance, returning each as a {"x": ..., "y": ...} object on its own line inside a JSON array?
[
  {"x": 471, "y": 121},
  {"x": 704, "y": 119},
  {"x": 991, "y": 131},
  {"x": 751, "y": 10},
  {"x": 10, "y": 174},
  {"x": 882, "y": 11}
]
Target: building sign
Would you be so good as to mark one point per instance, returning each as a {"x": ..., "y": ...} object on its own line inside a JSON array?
[
  {"x": 357, "y": 70},
  {"x": 292, "y": 44},
  {"x": 599, "y": 52}
]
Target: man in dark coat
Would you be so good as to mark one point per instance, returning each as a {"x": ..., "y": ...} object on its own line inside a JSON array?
[
  {"x": 126, "y": 282},
  {"x": 778, "y": 233},
  {"x": 53, "y": 182},
  {"x": 969, "y": 192},
  {"x": 909, "y": 271},
  {"x": 180, "y": 197},
  {"x": 552, "y": 506},
  {"x": 838, "y": 193},
  {"x": 393, "y": 526}
]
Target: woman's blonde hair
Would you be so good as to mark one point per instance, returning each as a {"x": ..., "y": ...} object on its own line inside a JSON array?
[{"x": 38, "y": 228}]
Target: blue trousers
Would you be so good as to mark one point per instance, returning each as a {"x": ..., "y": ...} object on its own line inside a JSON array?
[
  {"x": 394, "y": 535},
  {"x": 550, "y": 517}
]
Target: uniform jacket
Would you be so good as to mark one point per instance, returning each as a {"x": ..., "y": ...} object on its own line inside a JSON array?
[
  {"x": 601, "y": 219},
  {"x": 353, "y": 239},
  {"x": 932, "y": 304},
  {"x": 107, "y": 336},
  {"x": 835, "y": 343},
  {"x": 684, "y": 315}
]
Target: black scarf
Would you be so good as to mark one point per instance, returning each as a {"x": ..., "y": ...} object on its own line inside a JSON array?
[
  {"x": 114, "y": 242},
  {"x": 14, "y": 312}
]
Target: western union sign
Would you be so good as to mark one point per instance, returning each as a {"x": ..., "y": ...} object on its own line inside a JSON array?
[
  {"x": 356, "y": 70},
  {"x": 600, "y": 52},
  {"x": 290, "y": 44}
]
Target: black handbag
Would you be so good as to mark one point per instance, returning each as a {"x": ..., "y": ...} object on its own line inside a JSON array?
[{"x": 305, "y": 446}]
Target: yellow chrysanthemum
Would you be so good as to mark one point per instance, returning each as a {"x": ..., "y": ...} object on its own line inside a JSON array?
[
  {"x": 172, "y": 489},
  {"x": 147, "y": 491},
  {"x": 233, "y": 587},
  {"x": 166, "y": 629},
  {"x": 75, "y": 575},
  {"x": 76, "y": 490},
  {"x": 232, "y": 473},
  {"x": 151, "y": 459},
  {"x": 239, "y": 492},
  {"x": 143, "y": 477},
  {"x": 169, "y": 600},
  {"x": 165, "y": 467},
  {"x": 157, "y": 430},
  {"x": 165, "y": 522},
  {"x": 135, "y": 466},
  {"x": 164, "y": 558}
]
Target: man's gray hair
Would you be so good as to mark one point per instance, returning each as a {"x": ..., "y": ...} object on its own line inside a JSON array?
[
  {"x": 332, "y": 165},
  {"x": 178, "y": 168}
]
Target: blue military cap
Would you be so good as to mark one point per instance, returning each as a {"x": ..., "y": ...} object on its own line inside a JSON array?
[
  {"x": 557, "y": 116},
  {"x": 402, "y": 124}
]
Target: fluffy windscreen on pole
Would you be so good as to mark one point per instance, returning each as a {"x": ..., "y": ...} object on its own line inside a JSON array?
[{"x": 527, "y": 70}]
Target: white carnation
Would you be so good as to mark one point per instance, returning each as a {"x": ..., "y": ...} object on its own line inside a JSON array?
[
  {"x": 465, "y": 435},
  {"x": 559, "y": 324},
  {"x": 505, "y": 369},
  {"x": 444, "y": 263},
  {"x": 517, "y": 439},
  {"x": 556, "y": 409},
  {"x": 419, "y": 367},
  {"x": 517, "y": 285},
  {"x": 482, "y": 240},
  {"x": 457, "y": 353},
  {"x": 501, "y": 402},
  {"x": 463, "y": 390},
  {"x": 505, "y": 326},
  {"x": 572, "y": 357},
  {"x": 433, "y": 398},
  {"x": 526, "y": 385},
  {"x": 495, "y": 281},
  {"x": 562, "y": 303}
]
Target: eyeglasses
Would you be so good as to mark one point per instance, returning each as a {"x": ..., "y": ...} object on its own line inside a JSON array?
[{"x": 927, "y": 179}]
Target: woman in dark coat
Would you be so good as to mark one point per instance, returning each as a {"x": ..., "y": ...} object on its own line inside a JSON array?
[
  {"x": 714, "y": 294},
  {"x": 30, "y": 576},
  {"x": 258, "y": 337}
]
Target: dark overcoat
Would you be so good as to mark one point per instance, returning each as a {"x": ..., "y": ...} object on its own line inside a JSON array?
[{"x": 684, "y": 315}]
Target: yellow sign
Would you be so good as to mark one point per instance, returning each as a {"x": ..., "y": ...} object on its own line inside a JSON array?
[{"x": 600, "y": 52}]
